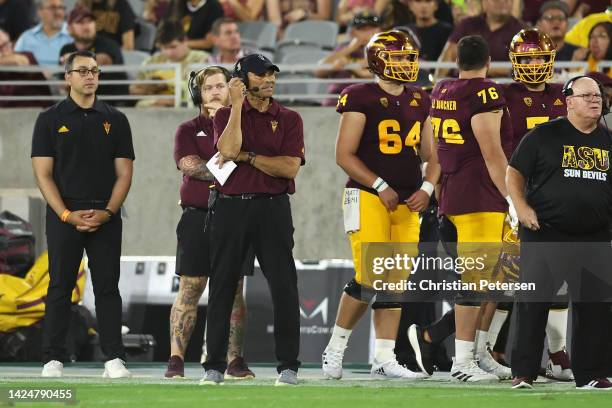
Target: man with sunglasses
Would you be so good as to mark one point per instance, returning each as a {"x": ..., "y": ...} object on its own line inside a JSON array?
[
  {"x": 82, "y": 156},
  {"x": 560, "y": 180}
]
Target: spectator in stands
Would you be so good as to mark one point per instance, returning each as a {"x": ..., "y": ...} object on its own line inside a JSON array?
[
  {"x": 463, "y": 9},
  {"x": 197, "y": 18},
  {"x": 228, "y": 45},
  {"x": 496, "y": 25},
  {"x": 362, "y": 28},
  {"x": 348, "y": 9},
  {"x": 173, "y": 47},
  {"x": 553, "y": 21},
  {"x": 115, "y": 19},
  {"x": 599, "y": 47},
  {"x": 528, "y": 11},
  {"x": 46, "y": 39},
  {"x": 156, "y": 10},
  {"x": 16, "y": 16},
  {"x": 582, "y": 8},
  {"x": 8, "y": 57},
  {"x": 431, "y": 32},
  {"x": 82, "y": 27},
  {"x": 243, "y": 10},
  {"x": 398, "y": 13},
  {"x": 579, "y": 33},
  {"x": 284, "y": 12}
]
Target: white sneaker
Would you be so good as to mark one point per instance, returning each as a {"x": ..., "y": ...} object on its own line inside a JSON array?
[
  {"x": 116, "y": 369},
  {"x": 392, "y": 369},
  {"x": 470, "y": 372},
  {"x": 488, "y": 364},
  {"x": 332, "y": 363},
  {"x": 53, "y": 368}
]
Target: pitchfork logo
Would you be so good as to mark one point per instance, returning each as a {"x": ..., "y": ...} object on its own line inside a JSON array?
[{"x": 314, "y": 309}]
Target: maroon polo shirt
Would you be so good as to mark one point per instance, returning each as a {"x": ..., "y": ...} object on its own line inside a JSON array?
[
  {"x": 276, "y": 132},
  {"x": 194, "y": 137},
  {"x": 498, "y": 40}
]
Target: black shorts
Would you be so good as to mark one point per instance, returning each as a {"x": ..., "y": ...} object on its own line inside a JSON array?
[{"x": 193, "y": 246}]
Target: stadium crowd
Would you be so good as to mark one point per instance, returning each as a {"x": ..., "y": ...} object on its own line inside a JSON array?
[{"x": 41, "y": 32}]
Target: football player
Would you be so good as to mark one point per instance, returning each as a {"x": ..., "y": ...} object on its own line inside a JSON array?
[
  {"x": 384, "y": 135},
  {"x": 472, "y": 126},
  {"x": 531, "y": 101}
]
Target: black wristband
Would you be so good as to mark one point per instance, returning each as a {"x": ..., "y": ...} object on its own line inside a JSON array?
[
  {"x": 251, "y": 158},
  {"x": 111, "y": 214}
]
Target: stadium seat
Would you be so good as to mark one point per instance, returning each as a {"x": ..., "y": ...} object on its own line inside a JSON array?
[
  {"x": 262, "y": 33},
  {"x": 145, "y": 40},
  {"x": 293, "y": 47},
  {"x": 322, "y": 33},
  {"x": 69, "y": 4},
  {"x": 134, "y": 57},
  {"x": 304, "y": 56},
  {"x": 137, "y": 7}
]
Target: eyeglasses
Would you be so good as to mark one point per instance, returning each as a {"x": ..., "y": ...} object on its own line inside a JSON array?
[
  {"x": 85, "y": 71},
  {"x": 590, "y": 97},
  {"x": 548, "y": 17}
]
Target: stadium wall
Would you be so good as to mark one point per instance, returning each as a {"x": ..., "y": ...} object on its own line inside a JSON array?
[{"x": 152, "y": 210}]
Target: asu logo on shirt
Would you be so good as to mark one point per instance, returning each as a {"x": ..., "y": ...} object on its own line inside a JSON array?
[{"x": 585, "y": 162}]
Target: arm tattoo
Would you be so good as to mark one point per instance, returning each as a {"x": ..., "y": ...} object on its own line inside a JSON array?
[{"x": 194, "y": 166}]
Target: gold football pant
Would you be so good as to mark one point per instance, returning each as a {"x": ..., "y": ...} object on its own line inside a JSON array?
[
  {"x": 479, "y": 235},
  {"x": 377, "y": 224}
]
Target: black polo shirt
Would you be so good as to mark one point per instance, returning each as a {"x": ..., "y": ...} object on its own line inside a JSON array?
[
  {"x": 568, "y": 174},
  {"x": 84, "y": 144}
]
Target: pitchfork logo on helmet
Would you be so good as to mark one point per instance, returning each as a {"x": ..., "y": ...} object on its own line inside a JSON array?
[
  {"x": 392, "y": 55},
  {"x": 529, "y": 44}
]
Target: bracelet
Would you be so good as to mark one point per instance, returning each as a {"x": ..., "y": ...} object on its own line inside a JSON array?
[
  {"x": 427, "y": 187},
  {"x": 111, "y": 214},
  {"x": 65, "y": 214},
  {"x": 379, "y": 184},
  {"x": 251, "y": 158}
]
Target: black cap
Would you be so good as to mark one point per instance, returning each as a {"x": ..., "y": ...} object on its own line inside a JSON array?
[
  {"x": 255, "y": 63},
  {"x": 555, "y": 4},
  {"x": 365, "y": 18}
]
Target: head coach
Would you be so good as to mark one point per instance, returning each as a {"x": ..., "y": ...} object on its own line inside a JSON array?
[
  {"x": 560, "y": 180},
  {"x": 82, "y": 156},
  {"x": 266, "y": 140}
]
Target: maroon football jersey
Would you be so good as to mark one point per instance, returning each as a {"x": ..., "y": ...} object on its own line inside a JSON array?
[
  {"x": 390, "y": 135},
  {"x": 528, "y": 108},
  {"x": 466, "y": 184},
  {"x": 194, "y": 137}
]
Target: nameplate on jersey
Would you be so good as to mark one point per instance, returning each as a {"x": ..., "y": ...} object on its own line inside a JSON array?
[{"x": 350, "y": 210}]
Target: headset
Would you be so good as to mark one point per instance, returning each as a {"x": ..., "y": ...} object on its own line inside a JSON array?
[
  {"x": 194, "y": 89},
  {"x": 568, "y": 91}
]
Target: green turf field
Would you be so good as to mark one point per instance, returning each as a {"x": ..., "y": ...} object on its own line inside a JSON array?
[{"x": 148, "y": 390}]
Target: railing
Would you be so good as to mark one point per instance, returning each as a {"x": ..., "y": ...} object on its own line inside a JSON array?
[{"x": 286, "y": 77}]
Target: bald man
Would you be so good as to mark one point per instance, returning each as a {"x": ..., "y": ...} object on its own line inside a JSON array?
[{"x": 560, "y": 181}]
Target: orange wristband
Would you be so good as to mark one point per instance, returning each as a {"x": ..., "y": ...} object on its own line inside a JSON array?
[{"x": 65, "y": 215}]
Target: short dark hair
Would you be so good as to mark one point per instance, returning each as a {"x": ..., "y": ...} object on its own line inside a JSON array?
[
  {"x": 72, "y": 56},
  {"x": 169, "y": 31},
  {"x": 472, "y": 53},
  {"x": 216, "y": 26}
]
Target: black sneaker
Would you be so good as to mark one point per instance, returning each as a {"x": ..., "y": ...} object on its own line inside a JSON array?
[
  {"x": 600, "y": 384},
  {"x": 422, "y": 349},
  {"x": 522, "y": 382}
]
